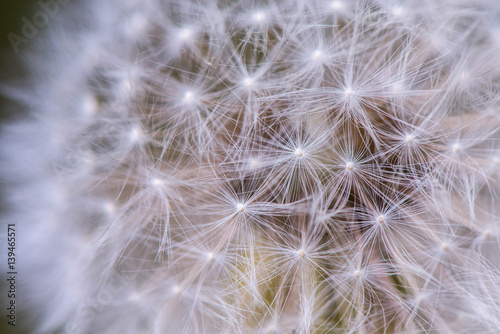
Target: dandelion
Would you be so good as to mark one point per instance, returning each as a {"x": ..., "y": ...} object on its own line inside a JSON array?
[{"x": 282, "y": 166}]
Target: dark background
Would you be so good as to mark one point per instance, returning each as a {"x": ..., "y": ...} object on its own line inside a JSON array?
[
  {"x": 11, "y": 69},
  {"x": 11, "y": 14}
]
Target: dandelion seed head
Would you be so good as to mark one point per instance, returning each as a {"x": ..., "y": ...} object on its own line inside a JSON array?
[
  {"x": 240, "y": 166},
  {"x": 249, "y": 82}
]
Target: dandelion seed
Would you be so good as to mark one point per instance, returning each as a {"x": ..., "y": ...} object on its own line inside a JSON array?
[
  {"x": 259, "y": 17},
  {"x": 90, "y": 105},
  {"x": 419, "y": 299},
  {"x": 254, "y": 163},
  {"x": 110, "y": 208},
  {"x": 349, "y": 92},
  {"x": 188, "y": 97},
  {"x": 137, "y": 26},
  {"x": 318, "y": 55},
  {"x": 271, "y": 329},
  {"x": 456, "y": 148},
  {"x": 185, "y": 34},
  {"x": 304, "y": 166},
  {"x": 240, "y": 207},
  {"x": 337, "y": 5},
  {"x": 136, "y": 135},
  {"x": 157, "y": 183},
  {"x": 381, "y": 220},
  {"x": 88, "y": 162},
  {"x": 176, "y": 290},
  {"x": 249, "y": 82},
  {"x": 85, "y": 243},
  {"x": 299, "y": 153},
  {"x": 125, "y": 87},
  {"x": 134, "y": 297},
  {"x": 357, "y": 274},
  {"x": 397, "y": 11},
  {"x": 410, "y": 139},
  {"x": 464, "y": 76},
  {"x": 487, "y": 234},
  {"x": 397, "y": 88}
]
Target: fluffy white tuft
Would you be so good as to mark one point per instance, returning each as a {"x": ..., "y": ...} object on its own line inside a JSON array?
[{"x": 285, "y": 166}]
